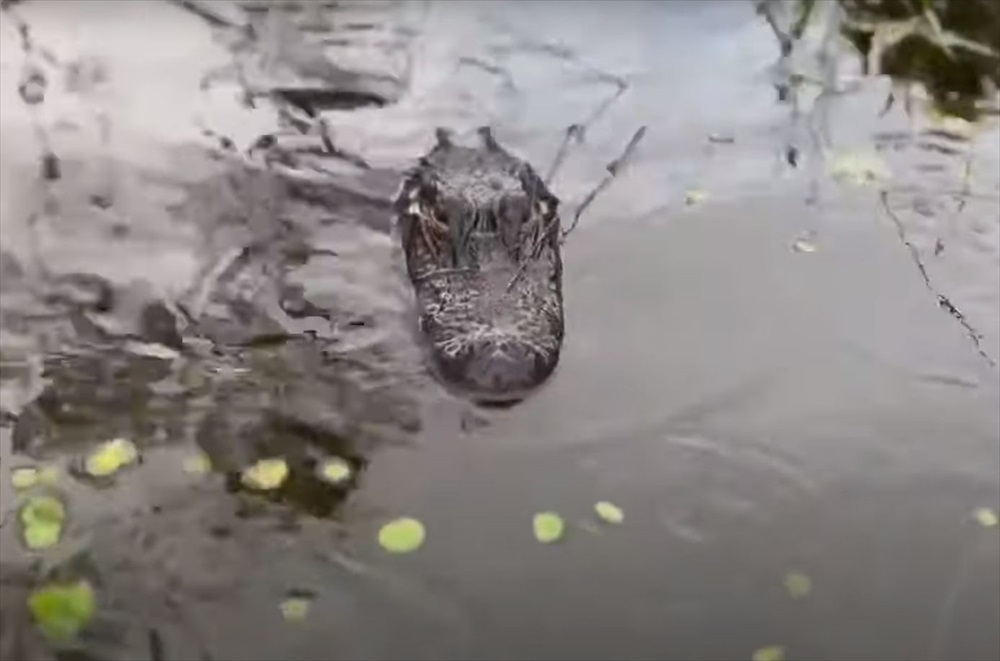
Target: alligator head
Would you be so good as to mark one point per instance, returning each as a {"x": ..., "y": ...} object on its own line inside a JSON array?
[{"x": 480, "y": 233}]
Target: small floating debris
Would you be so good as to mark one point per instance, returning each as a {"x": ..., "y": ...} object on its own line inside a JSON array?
[
  {"x": 110, "y": 457},
  {"x": 42, "y": 519},
  {"x": 62, "y": 610},
  {"x": 694, "y": 196},
  {"x": 548, "y": 527},
  {"x": 609, "y": 512},
  {"x": 335, "y": 471},
  {"x": 860, "y": 168},
  {"x": 805, "y": 243},
  {"x": 33, "y": 86},
  {"x": 27, "y": 477},
  {"x": 797, "y": 585},
  {"x": 295, "y": 609},
  {"x": 986, "y": 517},
  {"x": 266, "y": 474},
  {"x": 721, "y": 138},
  {"x": 51, "y": 168},
  {"x": 24, "y": 478},
  {"x": 197, "y": 464},
  {"x": 770, "y": 653},
  {"x": 152, "y": 350},
  {"x": 402, "y": 535}
]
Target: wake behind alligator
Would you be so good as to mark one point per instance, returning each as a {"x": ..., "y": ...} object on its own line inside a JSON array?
[{"x": 481, "y": 236}]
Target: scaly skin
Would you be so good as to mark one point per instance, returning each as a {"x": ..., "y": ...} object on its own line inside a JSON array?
[{"x": 481, "y": 233}]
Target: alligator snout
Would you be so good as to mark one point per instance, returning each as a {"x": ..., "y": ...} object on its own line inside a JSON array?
[{"x": 496, "y": 371}]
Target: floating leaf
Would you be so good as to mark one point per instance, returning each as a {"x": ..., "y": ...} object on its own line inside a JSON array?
[
  {"x": 548, "y": 527},
  {"x": 694, "y": 196},
  {"x": 335, "y": 470},
  {"x": 24, "y": 478},
  {"x": 42, "y": 519},
  {"x": 266, "y": 474},
  {"x": 62, "y": 610},
  {"x": 110, "y": 457},
  {"x": 771, "y": 653},
  {"x": 609, "y": 512},
  {"x": 797, "y": 584},
  {"x": 295, "y": 609},
  {"x": 858, "y": 167},
  {"x": 402, "y": 535},
  {"x": 804, "y": 245},
  {"x": 986, "y": 517},
  {"x": 197, "y": 463}
]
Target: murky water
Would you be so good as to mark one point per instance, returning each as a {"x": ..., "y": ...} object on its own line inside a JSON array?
[{"x": 754, "y": 409}]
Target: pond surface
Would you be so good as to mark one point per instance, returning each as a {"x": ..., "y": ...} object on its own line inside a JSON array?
[{"x": 770, "y": 369}]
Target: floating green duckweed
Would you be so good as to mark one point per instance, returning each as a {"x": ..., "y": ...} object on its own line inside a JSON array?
[
  {"x": 402, "y": 535},
  {"x": 335, "y": 470},
  {"x": 266, "y": 474},
  {"x": 986, "y": 517},
  {"x": 110, "y": 457},
  {"x": 771, "y": 653},
  {"x": 62, "y": 610},
  {"x": 295, "y": 609},
  {"x": 609, "y": 512},
  {"x": 797, "y": 584},
  {"x": 197, "y": 463},
  {"x": 42, "y": 520},
  {"x": 548, "y": 527}
]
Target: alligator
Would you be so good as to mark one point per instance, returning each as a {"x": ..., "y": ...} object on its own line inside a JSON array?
[{"x": 481, "y": 236}]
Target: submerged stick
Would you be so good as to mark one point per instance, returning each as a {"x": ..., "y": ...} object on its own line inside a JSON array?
[{"x": 613, "y": 168}]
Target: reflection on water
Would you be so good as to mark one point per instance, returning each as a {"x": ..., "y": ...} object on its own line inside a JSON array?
[{"x": 196, "y": 255}]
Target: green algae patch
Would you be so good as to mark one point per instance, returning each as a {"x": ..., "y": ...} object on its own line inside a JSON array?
[
  {"x": 986, "y": 517},
  {"x": 548, "y": 527},
  {"x": 402, "y": 535},
  {"x": 266, "y": 474},
  {"x": 770, "y": 653},
  {"x": 42, "y": 520},
  {"x": 797, "y": 585},
  {"x": 295, "y": 609},
  {"x": 110, "y": 457},
  {"x": 62, "y": 610},
  {"x": 29, "y": 477},
  {"x": 335, "y": 471},
  {"x": 609, "y": 512}
]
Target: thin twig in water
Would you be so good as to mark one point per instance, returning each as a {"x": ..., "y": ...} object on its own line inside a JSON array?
[
  {"x": 204, "y": 13},
  {"x": 614, "y": 167},
  {"x": 574, "y": 132},
  {"x": 494, "y": 69},
  {"x": 943, "y": 301}
]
